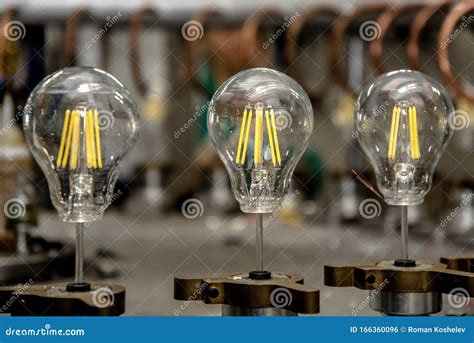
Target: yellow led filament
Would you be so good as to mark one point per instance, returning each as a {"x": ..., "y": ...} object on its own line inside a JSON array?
[
  {"x": 412, "y": 126},
  {"x": 70, "y": 149},
  {"x": 258, "y": 136},
  {"x": 414, "y": 144},
  {"x": 392, "y": 143},
  {"x": 258, "y": 141}
]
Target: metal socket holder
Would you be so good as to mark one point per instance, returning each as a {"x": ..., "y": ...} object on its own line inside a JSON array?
[
  {"x": 464, "y": 263},
  {"x": 244, "y": 294},
  {"x": 102, "y": 299},
  {"x": 401, "y": 290}
]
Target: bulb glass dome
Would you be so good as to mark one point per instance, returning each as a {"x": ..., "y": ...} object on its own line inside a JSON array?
[
  {"x": 79, "y": 123},
  {"x": 260, "y": 121},
  {"x": 402, "y": 123}
]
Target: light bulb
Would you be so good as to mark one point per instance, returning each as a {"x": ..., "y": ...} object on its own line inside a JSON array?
[
  {"x": 402, "y": 123},
  {"x": 260, "y": 121},
  {"x": 79, "y": 123}
]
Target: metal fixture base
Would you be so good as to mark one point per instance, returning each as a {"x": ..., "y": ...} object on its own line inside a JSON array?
[
  {"x": 231, "y": 311},
  {"x": 406, "y": 304}
]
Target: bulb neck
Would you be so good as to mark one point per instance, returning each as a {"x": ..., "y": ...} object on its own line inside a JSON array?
[
  {"x": 412, "y": 201},
  {"x": 262, "y": 208},
  {"x": 80, "y": 207}
]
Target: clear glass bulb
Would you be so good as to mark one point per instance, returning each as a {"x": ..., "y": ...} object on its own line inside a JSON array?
[
  {"x": 260, "y": 121},
  {"x": 79, "y": 123},
  {"x": 402, "y": 124}
]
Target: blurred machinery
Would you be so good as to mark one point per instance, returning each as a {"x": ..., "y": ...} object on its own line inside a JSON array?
[{"x": 330, "y": 50}]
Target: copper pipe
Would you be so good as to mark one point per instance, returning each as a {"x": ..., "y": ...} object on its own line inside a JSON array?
[
  {"x": 136, "y": 26},
  {"x": 191, "y": 50},
  {"x": 235, "y": 49},
  {"x": 105, "y": 51},
  {"x": 339, "y": 30},
  {"x": 251, "y": 48},
  {"x": 385, "y": 22},
  {"x": 292, "y": 47},
  {"x": 5, "y": 19},
  {"x": 417, "y": 27},
  {"x": 452, "y": 19},
  {"x": 71, "y": 33},
  {"x": 73, "y": 24}
]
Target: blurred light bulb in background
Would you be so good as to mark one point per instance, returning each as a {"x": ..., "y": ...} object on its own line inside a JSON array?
[
  {"x": 79, "y": 124},
  {"x": 402, "y": 123},
  {"x": 260, "y": 121}
]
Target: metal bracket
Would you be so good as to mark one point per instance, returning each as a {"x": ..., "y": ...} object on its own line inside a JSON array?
[
  {"x": 465, "y": 264},
  {"x": 282, "y": 291},
  {"x": 53, "y": 300},
  {"x": 384, "y": 275}
]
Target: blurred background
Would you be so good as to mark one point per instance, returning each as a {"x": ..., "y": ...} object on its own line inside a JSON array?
[{"x": 173, "y": 212}]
